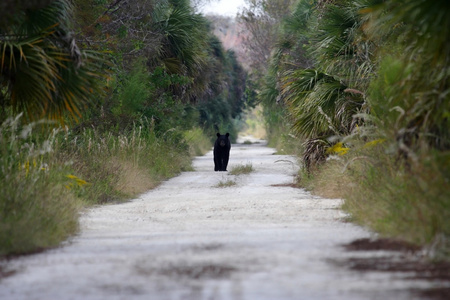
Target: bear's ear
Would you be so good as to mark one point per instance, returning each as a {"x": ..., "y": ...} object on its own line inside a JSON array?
[
  {"x": 218, "y": 134},
  {"x": 227, "y": 134}
]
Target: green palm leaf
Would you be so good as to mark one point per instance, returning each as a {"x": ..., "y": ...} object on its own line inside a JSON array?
[
  {"x": 340, "y": 46},
  {"x": 44, "y": 73},
  {"x": 318, "y": 103}
]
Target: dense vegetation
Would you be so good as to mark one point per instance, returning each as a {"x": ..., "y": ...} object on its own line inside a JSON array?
[
  {"x": 363, "y": 87},
  {"x": 101, "y": 100}
]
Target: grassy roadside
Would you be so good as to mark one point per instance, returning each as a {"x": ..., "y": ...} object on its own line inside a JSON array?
[
  {"x": 408, "y": 203},
  {"x": 47, "y": 179}
]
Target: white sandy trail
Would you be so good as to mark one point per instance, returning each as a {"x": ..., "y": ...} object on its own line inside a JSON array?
[{"x": 188, "y": 239}]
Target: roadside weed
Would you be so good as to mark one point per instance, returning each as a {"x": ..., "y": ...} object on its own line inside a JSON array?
[
  {"x": 242, "y": 169},
  {"x": 225, "y": 183}
]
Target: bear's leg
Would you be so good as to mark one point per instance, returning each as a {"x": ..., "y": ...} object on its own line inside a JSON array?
[
  {"x": 221, "y": 164},
  {"x": 216, "y": 164},
  {"x": 225, "y": 162}
]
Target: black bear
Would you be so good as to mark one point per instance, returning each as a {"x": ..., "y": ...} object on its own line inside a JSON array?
[{"x": 222, "y": 148}]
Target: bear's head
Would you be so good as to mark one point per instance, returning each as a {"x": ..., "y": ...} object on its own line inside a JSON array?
[{"x": 222, "y": 139}]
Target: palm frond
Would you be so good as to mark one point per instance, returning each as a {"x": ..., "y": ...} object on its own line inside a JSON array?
[
  {"x": 45, "y": 73},
  {"x": 184, "y": 39},
  {"x": 318, "y": 103},
  {"x": 340, "y": 45}
]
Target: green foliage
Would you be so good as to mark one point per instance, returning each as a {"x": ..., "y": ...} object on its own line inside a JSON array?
[
  {"x": 182, "y": 79},
  {"x": 134, "y": 92},
  {"x": 411, "y": 205},
  {"x": 319, "y": 104},
  {"x": 166, "y": 83},
  {"x": 275, "y": 119},
  {"x": 365, "y": 84},
  {"x": 183, "y": 33},
  {"x": 411, "y": 100}
]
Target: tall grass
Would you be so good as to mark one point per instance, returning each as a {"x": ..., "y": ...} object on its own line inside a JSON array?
[
  {"x": 198, "y": 142},
  {"x": 36, "y": 209},
  {"x": 406, "y": 202},
  {"x": 47, "y": 178},
  {"x": 394, "y": 203},
  {"x": 123, "y": 165}
]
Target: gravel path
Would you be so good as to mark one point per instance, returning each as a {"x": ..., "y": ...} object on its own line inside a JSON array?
[{"x": 188, "y": 239}]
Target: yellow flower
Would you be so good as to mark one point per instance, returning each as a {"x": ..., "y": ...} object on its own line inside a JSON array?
[
  {"x": 27, "y": 168},
  {"x": 337, "y": 149},
  {"x": 374, "y": 143},
  {"x": 79, "y": 181}
]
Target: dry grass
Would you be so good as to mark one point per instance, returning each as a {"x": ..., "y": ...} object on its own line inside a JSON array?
[
  {"x": 38, "y": 197},
  {"x": 133, "y": 180},
  {"x": 409, "y": 203},
  {"x": 51, "y": 177},
  {"x": 328, "y": 180}
]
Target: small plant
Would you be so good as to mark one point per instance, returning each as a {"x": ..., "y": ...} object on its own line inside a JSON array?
[
  {"x": 247, "y": 142},
  {"x": 242, "y": 169},
  {"x": 224, "y": 184}
]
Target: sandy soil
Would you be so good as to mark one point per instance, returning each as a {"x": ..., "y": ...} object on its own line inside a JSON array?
[{"x": 188, "y": 239}]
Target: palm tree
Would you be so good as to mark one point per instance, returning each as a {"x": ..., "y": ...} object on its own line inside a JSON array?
[
  {"x": 182, "y": 49},
  {"x": 322, "y": 65},
  {"x": 43, "y": 73}
]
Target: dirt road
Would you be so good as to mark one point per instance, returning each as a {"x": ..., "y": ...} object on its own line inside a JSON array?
[{"x": 188, "y": 239}]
